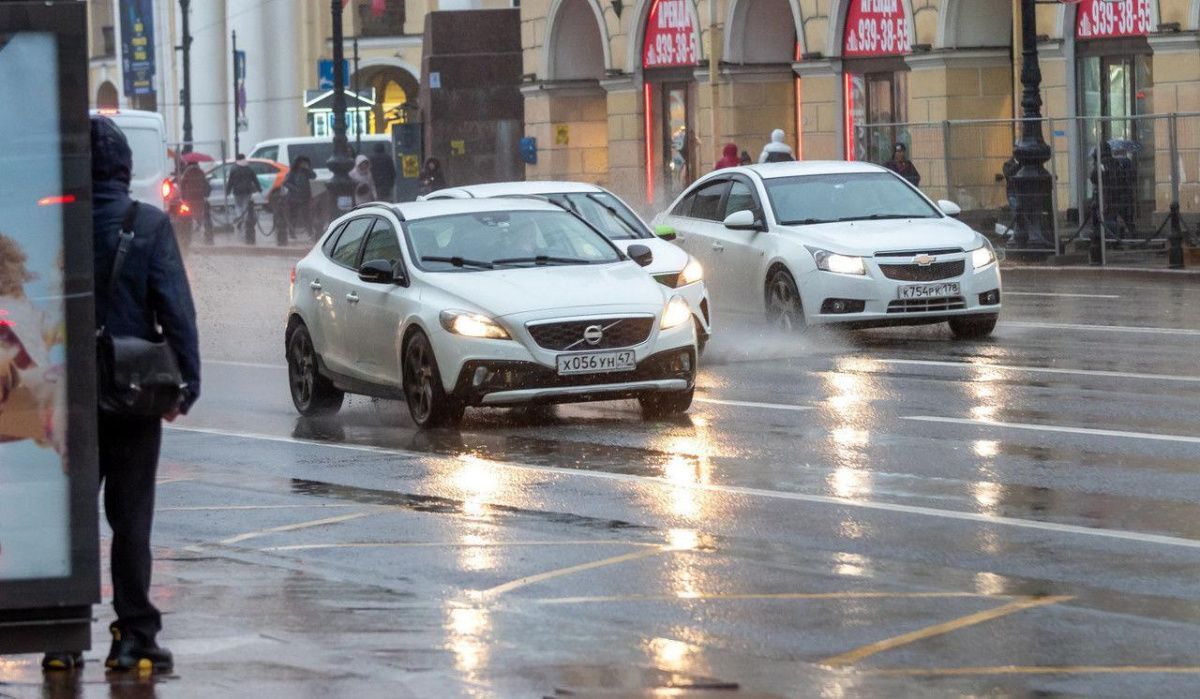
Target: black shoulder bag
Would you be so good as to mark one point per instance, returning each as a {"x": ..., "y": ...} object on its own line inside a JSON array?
[{"x": 137, "y": 378}]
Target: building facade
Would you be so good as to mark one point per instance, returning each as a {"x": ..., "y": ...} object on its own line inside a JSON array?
[{"x": 642, "y": 96}]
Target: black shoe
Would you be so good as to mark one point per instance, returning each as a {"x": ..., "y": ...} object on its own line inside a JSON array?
[
  {"x": 130, "y": 653},
  {"x": 62, "y": 662}
]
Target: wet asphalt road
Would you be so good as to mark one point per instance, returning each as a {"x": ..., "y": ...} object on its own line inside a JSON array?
[{"x": 880, "y": 513}]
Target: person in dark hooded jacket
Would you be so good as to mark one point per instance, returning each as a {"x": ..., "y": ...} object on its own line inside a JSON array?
[
  {"x": 729, "y": 157},
  {"x": 151, "y": 293}
]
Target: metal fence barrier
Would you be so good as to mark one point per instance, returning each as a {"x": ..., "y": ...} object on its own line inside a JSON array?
[{"x": 1126, "y": 190}]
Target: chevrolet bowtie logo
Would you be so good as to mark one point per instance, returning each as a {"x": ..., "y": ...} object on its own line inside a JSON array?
[{"x": 924, "y": 260}]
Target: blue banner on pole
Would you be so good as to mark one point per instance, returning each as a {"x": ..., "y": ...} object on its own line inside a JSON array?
[
  {"x": 325, "y": 73},
  {"x": 137, "y": 46}
]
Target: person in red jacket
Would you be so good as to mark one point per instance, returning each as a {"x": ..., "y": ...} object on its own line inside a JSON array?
[{"x": 729, "y": 157}]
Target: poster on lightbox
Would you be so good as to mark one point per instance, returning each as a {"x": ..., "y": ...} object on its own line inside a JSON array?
[{"x": 34, "y": 486}]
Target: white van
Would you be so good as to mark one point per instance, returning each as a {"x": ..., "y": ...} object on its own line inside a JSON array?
[
  {"x": 147, "y": 136},
  {"x": 318, "y": 150}
]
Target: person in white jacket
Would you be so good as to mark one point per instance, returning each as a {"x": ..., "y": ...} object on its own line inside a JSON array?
[{"x": 776, "y": 151}]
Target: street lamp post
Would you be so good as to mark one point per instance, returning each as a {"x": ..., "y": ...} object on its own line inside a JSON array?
[
  {"x": 186, "y": 96},
  {"x": 1032, "y": 183},
  {"x": 340, "y": 186}
]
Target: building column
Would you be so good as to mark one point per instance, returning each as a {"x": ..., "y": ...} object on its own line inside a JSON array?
[
  {"x": 626, "y": 140},
  {"x": 575, "y": 112},
  {"x": 823, "y": 126},
  {"x": 210, "y": 77}
]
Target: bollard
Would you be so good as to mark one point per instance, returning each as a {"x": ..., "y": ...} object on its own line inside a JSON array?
[{"x": 1175, "y": 253}]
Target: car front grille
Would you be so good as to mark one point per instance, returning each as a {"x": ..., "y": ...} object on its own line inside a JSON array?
[
  {"x": 927, "y": 273},
  {"x": 952, "y": 303},
  {"x": 617, "y": 332}
]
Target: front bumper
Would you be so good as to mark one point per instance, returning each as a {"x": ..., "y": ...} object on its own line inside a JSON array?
[
  {"x": 487, "y": 382},
  {"x": 874, "y": 300}
]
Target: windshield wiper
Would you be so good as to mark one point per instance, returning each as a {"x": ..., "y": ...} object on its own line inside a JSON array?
[
  {"x": 806, "y": 222},
  {"x": 459, "y": 262},
  {"x": 617, "y": 215},
  {"x": 878, "y": 217},
  {"x": 541, "y": 260}
]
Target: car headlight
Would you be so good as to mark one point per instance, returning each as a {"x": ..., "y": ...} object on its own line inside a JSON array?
[
  {"x": 675, "y": 314},
  {"x": 473, "y": 325},
  {"x": 839, "y": 264},
  {"x": 692, "y": 273},
  {"x": 982, "y": 257}
]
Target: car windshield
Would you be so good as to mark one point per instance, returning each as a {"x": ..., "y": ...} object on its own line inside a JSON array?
[
  {"x": 505, "y": 239},
  {"x": 860, "y": 196},
  {"x": 607, "y": 213}
]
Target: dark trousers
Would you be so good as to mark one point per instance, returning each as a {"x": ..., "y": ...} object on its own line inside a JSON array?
[{"x": 128, "y": 468}]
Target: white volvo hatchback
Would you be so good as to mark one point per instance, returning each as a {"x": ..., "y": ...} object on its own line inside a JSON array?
[
  {"x": 610, "y": 215},
  {"x": 835, "y": 242},
  {"x": 494, "y": 302}
]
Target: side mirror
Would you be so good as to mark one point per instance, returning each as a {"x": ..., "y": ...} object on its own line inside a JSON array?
[
  {"x": 745, "y": 220},
  {"x": 665, "y": 232},
  {"x": 949, "y": 208},
  {"x": 641, "y": 255},
  {"x": 377, "y": 272}
]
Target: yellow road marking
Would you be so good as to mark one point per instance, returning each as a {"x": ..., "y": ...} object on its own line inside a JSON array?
[
  {"x": 571, "y": 570},
  {"x": 293, "y": 527},
  {"x": 448, "y": 544},
  {"x": 1039, "y": 670},
  {"x": 854, "y": 656},
  {"x": 765, "y": 596}
]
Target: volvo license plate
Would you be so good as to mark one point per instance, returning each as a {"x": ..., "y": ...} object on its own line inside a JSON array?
[
  {"x": 596, "y": 362},
  {"x": 929, "y": 291}
]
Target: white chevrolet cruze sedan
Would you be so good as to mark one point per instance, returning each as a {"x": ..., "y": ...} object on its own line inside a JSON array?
[
  {"x": 610, "y": 215},
  {"x": 836, "y": 242},
  {"x": 492, "y": 302}
]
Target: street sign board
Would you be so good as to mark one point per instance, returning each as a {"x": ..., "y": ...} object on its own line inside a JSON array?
[
  {"x": 876, "y": 28},
  {"x": 671, "y": 36}
]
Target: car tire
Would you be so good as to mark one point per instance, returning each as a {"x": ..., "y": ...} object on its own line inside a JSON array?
[
  {"x": 973, "y": 327},
  {"x": 785, "y": 310},
  {"x": 428, "y": 403},
  {"x": 312, "y": 394},
  {"x": 660, "y": 405}
]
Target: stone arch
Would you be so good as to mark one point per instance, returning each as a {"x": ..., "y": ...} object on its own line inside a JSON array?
[
  {"x": 763, "y": 31},
  {"x": 577, "y": 42},
  {"x": 837, "y": 25},
  {"x": 106, "y": 96},
  {"x": 638, "y": 35},
  {"x": 391, "y": 77},
  {"x": 972, "y": 24}
]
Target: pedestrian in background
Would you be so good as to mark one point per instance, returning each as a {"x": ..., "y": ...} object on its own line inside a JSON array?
[
  {"x": 364, "y": 182},
  {"x": 776, "y": 151},
  {"x": 149, "y": 299},
  {"x": 745, "y": 159},
  {"x": 244, "y": 184},
  {"x": 384, "y": 172},
  {"x": 194, "y": 190},
  {"x": 297, "y": 198},
  {"x": 432, "y": 178},
  {"x": 901, "y": 165},
  {"x": 729, "y": 157}
]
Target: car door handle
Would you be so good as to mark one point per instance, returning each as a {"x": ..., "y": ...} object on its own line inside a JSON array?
[
  {"x": 314, "y": 285},
  {"x": 717, "y": 247},
  {"x": 352, "y": 297}
]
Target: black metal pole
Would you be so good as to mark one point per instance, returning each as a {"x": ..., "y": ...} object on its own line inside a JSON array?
[
  {"x": 1032, "y": 182},
  {"x": 357, "y": 125},
  {"x": 186, "y": 96},
  {"x": 237, "y": 143},
  {"x": 340, "y": 186}
]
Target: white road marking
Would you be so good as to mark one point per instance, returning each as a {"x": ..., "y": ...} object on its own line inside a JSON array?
[
  {"x": 293, "y": 527},
  {"x": 1061, "y": 296},
  {"x": 750, "y": 404},
  {"x": 1136, "y": 329},
  {"x": 974, "y": 517},
  {"x": 1056, "y": 428},
  {"x": 451, "y": 544},
  {"x": 1041, "y": 370}
]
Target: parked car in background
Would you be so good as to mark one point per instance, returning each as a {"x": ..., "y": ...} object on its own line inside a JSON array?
[
  {"x": 317, "y": 150},
  {"x": 837, "y": 242},
  {"x": 146, "y": 133},
  {"x": 672, "y": 267},
  {"x": 484, "y": 302},
  {"x": 270, "y": 176}
]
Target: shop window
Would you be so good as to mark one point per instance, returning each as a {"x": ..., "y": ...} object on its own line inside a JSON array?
[{"x": 878, "y": 107}]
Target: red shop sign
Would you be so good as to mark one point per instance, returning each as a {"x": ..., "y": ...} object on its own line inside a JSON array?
[
  {"x": 670, "y": 35},
  {"x": 1096, "y": 19},
  {"x": 876, "y": 28}
]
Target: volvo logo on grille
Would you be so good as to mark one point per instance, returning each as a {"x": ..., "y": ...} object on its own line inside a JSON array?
[
  {"x": 924, "y": 260},
  {"x": 593, "y": 334}
]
